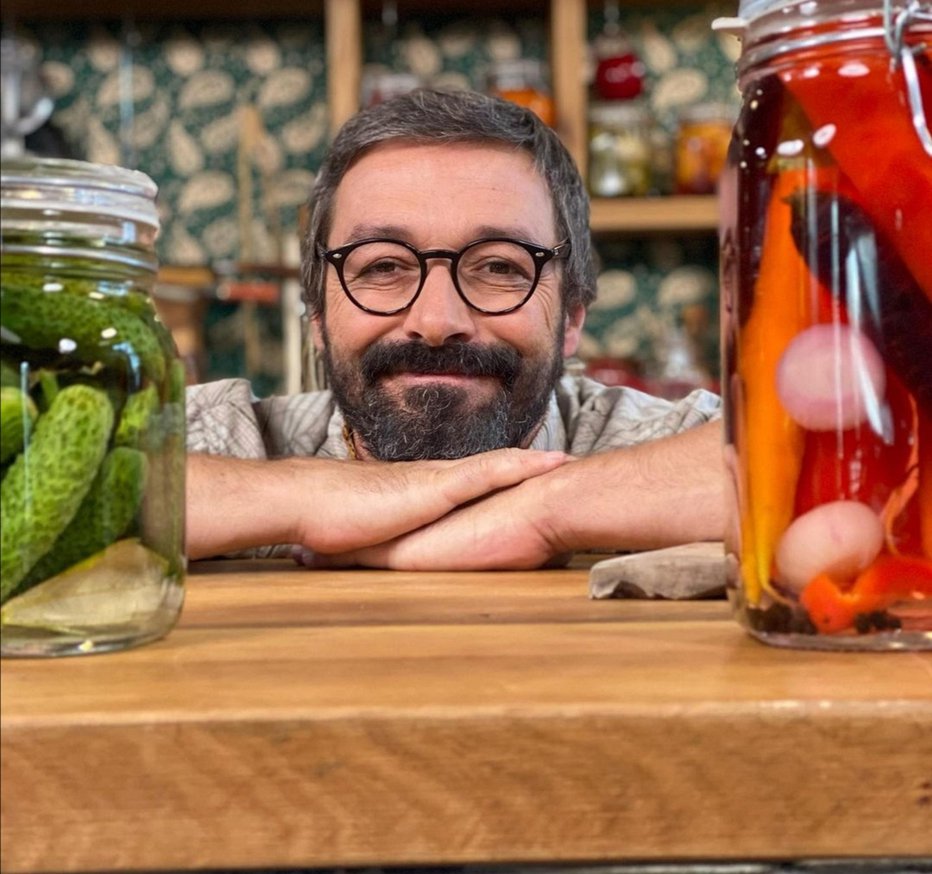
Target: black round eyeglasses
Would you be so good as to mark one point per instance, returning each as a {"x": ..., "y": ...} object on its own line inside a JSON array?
[{"x": 494, "y": 275}]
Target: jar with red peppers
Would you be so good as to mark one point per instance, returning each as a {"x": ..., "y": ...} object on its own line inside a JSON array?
[{"x": 826, "y": 288}]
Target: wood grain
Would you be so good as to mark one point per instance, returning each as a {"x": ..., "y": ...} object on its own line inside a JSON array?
[{"x": 299, "y": 718}]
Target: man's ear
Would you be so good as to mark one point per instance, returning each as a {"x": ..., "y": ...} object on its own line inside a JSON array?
[
  {"x": 572, "y": 330},
  {"x": 317, "y": 332}
]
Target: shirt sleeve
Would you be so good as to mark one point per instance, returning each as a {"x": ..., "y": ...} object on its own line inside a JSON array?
[
  {"x": 221, "y": 420},
  {"x": 598, "y": 418}
]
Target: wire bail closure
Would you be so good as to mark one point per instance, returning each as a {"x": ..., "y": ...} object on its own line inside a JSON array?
[{"x": 895, "y": 25}]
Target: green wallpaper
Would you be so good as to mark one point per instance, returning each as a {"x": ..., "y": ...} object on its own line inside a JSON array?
[{"x": 230, "y": 120}]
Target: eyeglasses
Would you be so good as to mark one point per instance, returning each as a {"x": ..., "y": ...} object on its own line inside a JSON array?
[{"x": 495, "y": 275}]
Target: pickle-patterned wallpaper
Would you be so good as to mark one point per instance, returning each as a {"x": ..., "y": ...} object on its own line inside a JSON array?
[{"x": 230, "y": 120}]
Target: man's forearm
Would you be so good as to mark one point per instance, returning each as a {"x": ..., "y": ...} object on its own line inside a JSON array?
[
  {"x": 647, "y": 496},
  {"x": 333, "y": 506},
  {"x": 234, "y": 504}
]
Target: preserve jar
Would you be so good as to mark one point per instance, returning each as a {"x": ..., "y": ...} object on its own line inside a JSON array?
[
  {"x": 826, "y": 283},
  {"x": 702, "y": 137},
  {"x": 620, "y": 153},
  {"x": 522, "y": 81},
  {"x": 93, "y": 415}
]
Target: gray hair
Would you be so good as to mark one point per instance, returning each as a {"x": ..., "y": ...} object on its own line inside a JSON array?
[{"x": 429, "y": 116}]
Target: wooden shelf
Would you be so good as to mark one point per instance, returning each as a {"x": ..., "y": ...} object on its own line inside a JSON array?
[
  {"x": 344, "y": 35},
  {"x": 653, "y": 214}
]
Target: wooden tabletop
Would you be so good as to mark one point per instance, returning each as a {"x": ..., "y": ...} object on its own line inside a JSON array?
[{"x": 298, "y": 718}]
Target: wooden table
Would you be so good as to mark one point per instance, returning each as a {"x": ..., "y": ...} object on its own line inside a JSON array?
[{"x": 298, "y": 718}]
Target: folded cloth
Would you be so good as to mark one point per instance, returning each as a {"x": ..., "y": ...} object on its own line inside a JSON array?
[{"x": 688, "y": 572}]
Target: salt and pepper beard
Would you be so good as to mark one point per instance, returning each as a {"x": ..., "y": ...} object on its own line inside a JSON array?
[{"x": 438, "y": 420}]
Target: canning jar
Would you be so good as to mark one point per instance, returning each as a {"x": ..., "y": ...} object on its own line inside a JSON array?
[
  {"x": 620, "y": 155},
  {"x": 523, "y": 81},
  {"x": 826, "y": 281},
  {"x": 93, "y": 415},
  {"x": 702, "y": 137}
]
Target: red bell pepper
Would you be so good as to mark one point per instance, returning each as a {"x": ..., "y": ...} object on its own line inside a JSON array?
[
  {"x": 887, "y": 580},
  {"x": 858, "y": 464},
  {"x": 894, "y": 180}
]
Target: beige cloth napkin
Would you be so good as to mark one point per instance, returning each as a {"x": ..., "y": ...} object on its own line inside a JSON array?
[{"x": 690, "y": 571}]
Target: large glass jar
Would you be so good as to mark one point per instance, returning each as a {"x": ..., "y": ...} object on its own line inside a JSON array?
[
  {"x": 93, "y": 415},
  {"x": 826, "y": 269}
]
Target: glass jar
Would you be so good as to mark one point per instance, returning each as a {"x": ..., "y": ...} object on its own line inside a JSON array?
[
  {"x": 702, "y": 138},
  {"x": 620, "y": 158},
  {"x": 522, "y": 81},
  {"x": 826, "y": 282},
  {"x": 93, "y": 415}
]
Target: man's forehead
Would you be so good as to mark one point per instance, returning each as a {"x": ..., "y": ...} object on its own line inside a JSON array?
[{"x": 493, "y": 188}]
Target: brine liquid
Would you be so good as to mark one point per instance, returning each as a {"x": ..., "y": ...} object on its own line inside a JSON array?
[
  {"x": 115, "y": 580},
  {"x": 826, "y": 267}
]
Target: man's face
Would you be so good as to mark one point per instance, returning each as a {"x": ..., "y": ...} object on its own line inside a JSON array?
[{"x": 440, "y": 379}]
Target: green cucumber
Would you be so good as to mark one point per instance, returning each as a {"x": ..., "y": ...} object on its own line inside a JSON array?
[
  {"x": 139, "y": 411},
  {"x": 8, "y": 374},
  {"x": 86, "y": 329},
  {"x": 48, "y": 480},
  {"x": 17, "y": 416},
  {"x": 104, "y": 516}
]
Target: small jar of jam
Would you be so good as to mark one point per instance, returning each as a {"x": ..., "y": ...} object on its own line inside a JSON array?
[
  {"x": 702, "y": 138},
  {"x": 522, "y": 81}
]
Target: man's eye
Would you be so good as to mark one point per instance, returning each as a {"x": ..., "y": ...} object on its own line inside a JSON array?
[
  {"x": 383, "y": 266},
  {"x": 503, "y": 267}
]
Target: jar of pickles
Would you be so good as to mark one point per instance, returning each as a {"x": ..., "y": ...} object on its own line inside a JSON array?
[
  {"x": 826, "y": 284},
  {"x": 92, "y": 513}
]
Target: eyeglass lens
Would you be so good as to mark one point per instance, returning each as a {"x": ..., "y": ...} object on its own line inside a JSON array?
[{"x": 492, "y": 275}]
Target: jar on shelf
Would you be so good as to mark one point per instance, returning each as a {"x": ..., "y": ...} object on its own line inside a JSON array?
[
  {"x": 93, "y": 415},
  {"x": 379, "y": 85},
  {"x": 620, "y": 158},
  {"x": 702, "y": 137},
  {"x": 523, "y": 81},
  {"x": 826, "y": 291}
]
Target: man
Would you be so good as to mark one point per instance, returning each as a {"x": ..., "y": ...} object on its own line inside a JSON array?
[{"x": 447, "y": 268}]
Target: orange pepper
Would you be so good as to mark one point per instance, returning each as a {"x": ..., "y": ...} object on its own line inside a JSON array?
[
  {"x": 768, "y": 440},
  {"x": 885, "y": 581}
]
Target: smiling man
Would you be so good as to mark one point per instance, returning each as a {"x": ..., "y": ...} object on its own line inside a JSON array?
[{"x": 447, "y": 270}]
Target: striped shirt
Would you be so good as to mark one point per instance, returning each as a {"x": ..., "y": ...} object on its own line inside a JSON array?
[{"x": 584, "y": 417}]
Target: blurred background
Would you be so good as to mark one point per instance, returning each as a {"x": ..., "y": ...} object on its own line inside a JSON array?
[{"x": 230, "y": 108}]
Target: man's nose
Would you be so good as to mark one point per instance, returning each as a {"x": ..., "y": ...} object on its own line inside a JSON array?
[{"x": 439, "y": 314}]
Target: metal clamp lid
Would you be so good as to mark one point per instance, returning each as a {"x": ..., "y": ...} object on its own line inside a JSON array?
[{"x": 896, "y": 23}]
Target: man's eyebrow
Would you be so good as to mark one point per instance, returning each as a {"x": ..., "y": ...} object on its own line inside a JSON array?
[
  {"x": 368, "y": 231},
  {"x": 365, "y": 231}
]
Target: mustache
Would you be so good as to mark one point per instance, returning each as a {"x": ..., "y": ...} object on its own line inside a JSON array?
[{"x": 466, "y": 359}]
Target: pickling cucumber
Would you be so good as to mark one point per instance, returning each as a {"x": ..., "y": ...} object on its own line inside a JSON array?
[
  {"x": 48, "y": 480},
  {"x": 17, "y": 415},
  {"x": 102, "y": 518},
  {"x": 83, "y": 328},
  {"x": 140, "y": 409}
]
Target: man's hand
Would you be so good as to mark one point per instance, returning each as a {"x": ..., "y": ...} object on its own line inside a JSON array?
[
  {"x": 334, "y": 507},
  {"x": 648, "y": 496}
]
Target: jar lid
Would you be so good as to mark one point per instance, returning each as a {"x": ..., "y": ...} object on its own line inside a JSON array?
[
  {"x": 708, "y": 111},
  {"x": 619, "y": 112},
  {"x": 59, "y": 186}
]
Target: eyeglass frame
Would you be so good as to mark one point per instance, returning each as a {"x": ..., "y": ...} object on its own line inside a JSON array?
[{"x": 540, "y": 256}]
